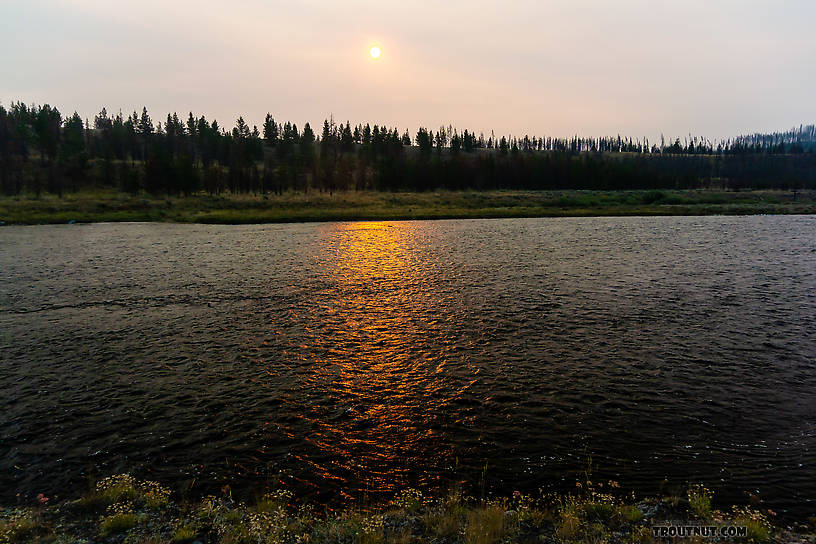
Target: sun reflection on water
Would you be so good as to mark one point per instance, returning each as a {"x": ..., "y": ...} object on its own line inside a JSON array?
[{"x": 377, "y": 395}]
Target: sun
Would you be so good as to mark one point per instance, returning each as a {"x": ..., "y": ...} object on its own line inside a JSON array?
[{"x": 374, "y": 52}]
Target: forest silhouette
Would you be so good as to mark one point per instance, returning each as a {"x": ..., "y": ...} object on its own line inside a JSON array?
[{"x": 42, "y": 151}]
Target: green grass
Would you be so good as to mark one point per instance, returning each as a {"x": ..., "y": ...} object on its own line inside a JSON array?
[
  {"x": 630, "y": 514},
  {"x": 185, "y": 534},
  {"x": 485, "y": 524},
  {"x": 108, "y": 205},
  {"x": 117, "y": 523}
]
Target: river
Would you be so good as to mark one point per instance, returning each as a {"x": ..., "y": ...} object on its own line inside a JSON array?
[{"x": 349, "y": 360}]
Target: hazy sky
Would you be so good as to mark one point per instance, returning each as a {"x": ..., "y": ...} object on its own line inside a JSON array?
[{"x": 596, "y": 67}]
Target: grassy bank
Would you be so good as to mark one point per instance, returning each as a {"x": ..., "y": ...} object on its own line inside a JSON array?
[
  {"x": 105, "y": 205},
  {"x": 122, "y": 509}
]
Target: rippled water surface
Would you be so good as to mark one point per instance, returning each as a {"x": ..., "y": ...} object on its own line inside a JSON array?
[{"x": 357, "y": 358}]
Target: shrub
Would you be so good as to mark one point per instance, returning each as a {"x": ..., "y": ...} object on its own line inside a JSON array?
[
  {"x": 699, "y": 499},
  {"x": 409, "y": 500},
  {"x": 275, "y": 501},
  {"x": 757, "y": 531},
  {"x": 123, "y": 488},
  {"x": 759, "y": 527},
  {"x": 20, "y": 526},
  {"x": 652, "y": 197},
  {"x": 598, "y": 511}
]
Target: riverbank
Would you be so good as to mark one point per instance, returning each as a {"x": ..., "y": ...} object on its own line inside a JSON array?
[
  {"x": 113, "y": 206},
  {"x": 123, "y": 509}
]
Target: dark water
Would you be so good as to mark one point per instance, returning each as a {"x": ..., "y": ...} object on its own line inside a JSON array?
[{"x": 349, "y": 359}]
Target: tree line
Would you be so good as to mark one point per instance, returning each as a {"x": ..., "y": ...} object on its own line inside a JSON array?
[{"x": 42, "y": 151}]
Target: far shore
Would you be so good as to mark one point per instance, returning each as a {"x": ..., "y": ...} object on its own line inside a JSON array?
[{"x": 105, "y": 205}]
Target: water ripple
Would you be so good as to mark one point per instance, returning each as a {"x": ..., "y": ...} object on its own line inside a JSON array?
[{"x": 348, "y": 360}]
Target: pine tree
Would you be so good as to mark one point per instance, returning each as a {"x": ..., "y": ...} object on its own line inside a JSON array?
[
  {"x": 73, "y": 155},
  {"x": 423, "y": 140},
  {"x": 145, "y": 126},
  {"x": 270, "y": 131}
]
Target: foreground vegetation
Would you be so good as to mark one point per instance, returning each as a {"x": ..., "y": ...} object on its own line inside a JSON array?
[
  {"x": 111, "y": 205},
  {"x": 123, "y": 509}
]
